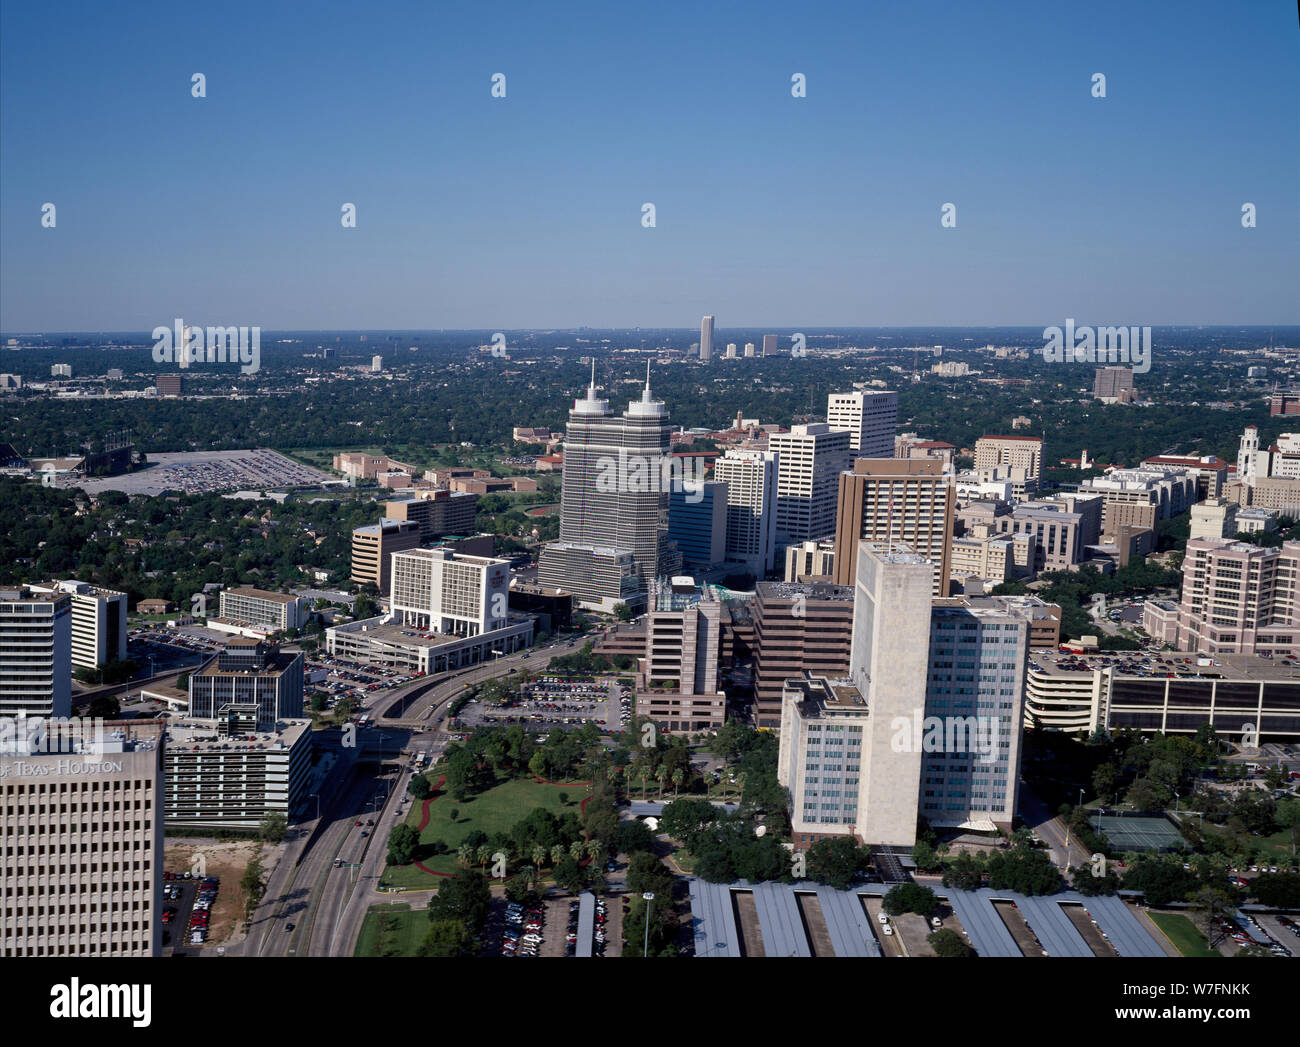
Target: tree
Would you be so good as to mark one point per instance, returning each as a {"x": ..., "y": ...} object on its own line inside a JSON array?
[
  {"x": 925, "y": 857},
  {"x": 645, "y": 872},
  {"x": 563, "y": 798},
  {"x": 447, "y": 938},
  {"x": 946, "y": 942},
  {"x": 465, "y": 855},
  {"x": 419, "y": 787},
  {"x": 252, "y": 887},
  {"x": 273, "y": 827},
  {"x": 633, "y": 836},
  {"x": 837, "y": 861},
  {"x": 909, "y": 897},
  {"x": 402, "y": 844},
  {"x": 1278, "y": 890},
  {"x": 1287, "y": 816},
  {"x": 569, "y": 875},
  {"x": 464, "y": 897},
  {"x": 965, "y": 873},
  {"x": 622, "y": 612}
]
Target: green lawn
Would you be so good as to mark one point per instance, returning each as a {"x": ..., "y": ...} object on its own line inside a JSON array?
[
  {"x": 496, "y": 810},
  {"x": 1183, "y": 933},
  {"x": 404, "y": 937}
]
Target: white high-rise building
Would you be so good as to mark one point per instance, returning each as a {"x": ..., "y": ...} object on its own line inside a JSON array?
[
  {"x": 35, "y": 653},
  {"x": 706, "y": 339},
  {"x": 376, "y": 364},
  {"x": 750, "y": 477},
  {"x": 810, "y": 459},
  {"x": 98, "y": 622},
  {"x": 749, "y": 350},
  {"x": 870, "y": 418},
  {"x": 450, "y": 593}
]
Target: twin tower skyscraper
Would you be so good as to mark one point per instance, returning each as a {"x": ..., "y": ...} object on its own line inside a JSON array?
[{"x": 613, "y": 504}]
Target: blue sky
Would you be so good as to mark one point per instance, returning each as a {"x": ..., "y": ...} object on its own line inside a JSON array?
[{"x": 526, "y": 212}]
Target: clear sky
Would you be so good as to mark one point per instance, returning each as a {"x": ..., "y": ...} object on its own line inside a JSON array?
[{"x": 474, "y": 212}]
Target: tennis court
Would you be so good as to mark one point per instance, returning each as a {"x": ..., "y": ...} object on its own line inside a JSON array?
[{"x": 1138, "y": 833}]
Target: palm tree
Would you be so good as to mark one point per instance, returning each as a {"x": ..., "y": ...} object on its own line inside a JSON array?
[
  {"x": 557, "y": 854},
  {"x": 465, "y": 855},
  {"x": 593, "y": 848},
  {"x": 662, "y": 777},
  {"x": 484, "y": 854},
  {"x": 575, "y": 850},
  {"x": 740, "y": 785},
  {"x": 539, "y": 855},
  {"x": 678, "y": 777},
  {"x": 645, "y": 779}
]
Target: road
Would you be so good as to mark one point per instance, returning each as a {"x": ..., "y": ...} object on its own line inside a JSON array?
[{"x": 1050, "y": 828}]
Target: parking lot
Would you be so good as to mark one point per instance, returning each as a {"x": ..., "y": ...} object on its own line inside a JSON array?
[
  {"x": 186, "y": 916},
  {"x": 345, "y": 679},
  {"x": 554, "y": 701}
]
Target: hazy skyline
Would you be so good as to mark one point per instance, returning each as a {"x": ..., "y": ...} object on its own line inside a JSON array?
[{"x": 525, "y": 212}]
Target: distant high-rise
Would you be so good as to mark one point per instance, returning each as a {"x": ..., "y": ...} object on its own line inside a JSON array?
[
  {"x": 769, "y": 345},
  {"x": 697, "y": 521},
  {"x": 870, "y": 418},
  {"x": 810, "y": 459},
  {"x": 170, "y": 385},
  {"x": 613, "y": 503},
  {"x": 706, "y": 339},
  {"x": 376, "y": 364},
  {"x": 749, "y": 350},
  {"x": 1111, "y": 382}
]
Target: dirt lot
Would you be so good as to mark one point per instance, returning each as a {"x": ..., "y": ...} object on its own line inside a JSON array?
[
  {"x": 226, "y": 860},
  {"x": 913, "y": 931}
]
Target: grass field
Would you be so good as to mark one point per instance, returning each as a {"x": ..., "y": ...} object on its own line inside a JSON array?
[
  {"x": 496, "y": 810},
  {"x": 1183, "y": 933},
  {"x": 392, "y": 930}
]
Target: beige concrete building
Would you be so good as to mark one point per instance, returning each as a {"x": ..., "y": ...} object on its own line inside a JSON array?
[
  {"x": 678, "y": 685},
  {"x": 373, "y": 547},
  {"x": 98, "y": 622},
  {"x": 1214, "y": 518},
  {"x": 1022, "y": 452},
  {"x": 810, "y": 458},
  {"x": 1239, "y": 598},
  {"x": 263, "y": 607},
  {"x": 81, "y": 851},
  {"x": 810, "y": 561},
  {"x": 797, "y": 627},
  {"x": 993, "y": 556}
]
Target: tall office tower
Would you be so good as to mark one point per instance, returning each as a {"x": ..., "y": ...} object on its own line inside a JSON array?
[
  {"x": 870, "y": 418},
  {"x": 750, "y": 477},
  {"x": 749, "y": 350},
  {"x": 1111, "y": 382},
  {"x": 731, "y": 351},
  {"x": 35, "y": 653},
  {"x": 170, "y": 384},
  {"x": 373, "y": 547},
  {"x": 810, "y": 459},
  {"x": 706, "y": 339},
  {"x": 82, "y": 835},
  {"x": 697, "y": 521},
  {"x": 613, "y": 501},
  {"x": 907, "y": 500},
  {"x": 1019, "y": 452},
  {"x": 769, "y": 345},
  {"x": 679, "y": 687},
  {"x": 450, "y": 593},
  {"x": 970, "y": 781},
  {"x": 437, "y": 512},
  {"x": 797, "y": 627},
  {"x": 839, "y": 753},
  {"x": 98, "y": 622},
  {"x": 376, "y": 364},
  {"x": 249, "y": 677}
]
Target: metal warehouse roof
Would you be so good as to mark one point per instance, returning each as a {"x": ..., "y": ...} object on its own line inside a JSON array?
[
  {"x": 847, "y": 923},
  {"x": 779, "y": 920},
  {"x": 586, "y": 923}
]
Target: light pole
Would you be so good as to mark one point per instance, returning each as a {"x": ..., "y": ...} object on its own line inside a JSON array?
[
  {"x": 649, "y": 897},
  {"x": 316, "y": 797}
]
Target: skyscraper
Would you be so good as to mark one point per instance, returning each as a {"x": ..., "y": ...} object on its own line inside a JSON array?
[
  {"x": 870, "y": 418},
  {"x": 750, "y": 477},
  {"x": 613, "y": 502},
  {"x": 769, "y": 345},
  {"x": 896, "y": 499},
  {"x": 810, "y": 459},
  {"x": 706, "y": 339}
]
